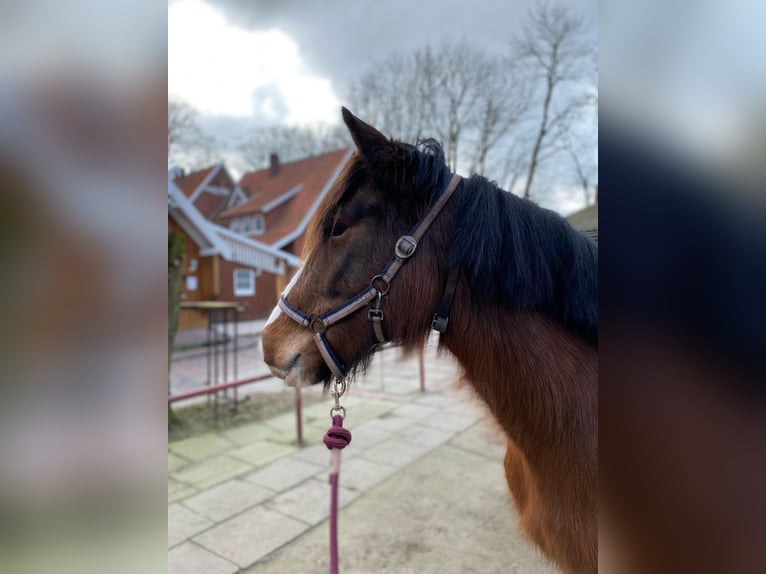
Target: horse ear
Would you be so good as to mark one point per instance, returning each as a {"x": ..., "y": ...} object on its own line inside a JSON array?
[{"x": 367, "y": 139}]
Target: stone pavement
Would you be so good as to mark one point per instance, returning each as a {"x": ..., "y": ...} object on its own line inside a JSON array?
[{"x": 422, "y": 486}]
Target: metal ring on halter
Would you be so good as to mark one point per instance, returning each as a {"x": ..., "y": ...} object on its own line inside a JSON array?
[
  {"x": 386, "y": 282},
  {"x": 316, "y": 320}
]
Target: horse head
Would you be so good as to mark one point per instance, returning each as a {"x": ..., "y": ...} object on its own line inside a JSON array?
[{"x": 382, "y": 192}]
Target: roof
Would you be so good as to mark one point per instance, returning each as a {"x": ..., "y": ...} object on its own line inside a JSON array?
[
  {"x": 293, "y": 194},
  {"x": 211, "y": 200},
  {"x": 216, "y": 240},
  {"x": 189, "y": 183}
]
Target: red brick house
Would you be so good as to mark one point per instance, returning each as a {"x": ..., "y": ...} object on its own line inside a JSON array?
[
  {"x": 220, "y": 265},
  {"x": 282, "y": 198}
]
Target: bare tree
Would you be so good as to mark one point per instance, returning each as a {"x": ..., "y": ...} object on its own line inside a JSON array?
[
  {"x": 390, "y": 96},
  {"x": 182, "y": 125},
  {"x": 291, "y": 143},
  {"x": 512, "y": 163},
  {"x": 583, "y": 173},
  {"x": 188, "y": 144},
  {"x": 461, "y": 74},
  {"x": 553, "y": 51},
  {"x": 501, "y": 105},
  {"x": 455, "y": 92},
  {"x": 506, "y": 116}
]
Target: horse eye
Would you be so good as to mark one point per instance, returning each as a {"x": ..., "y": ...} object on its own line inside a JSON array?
[{"x": 338, "y": 229}]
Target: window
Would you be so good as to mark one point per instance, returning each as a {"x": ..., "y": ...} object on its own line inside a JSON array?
[
  {"x": 259, "y": 225},
  {"x": 235, "y": 225},
  {"x": 244, "y": 282},
  {"x": 246, "y": 224}
]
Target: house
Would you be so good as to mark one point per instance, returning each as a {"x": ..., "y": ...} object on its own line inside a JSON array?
[
  {"x": 220, "y": 265},
  {"x": 211, "y": 190},
  {"x": 282, "y": 198},
  {"x": 587, "y": 218}
]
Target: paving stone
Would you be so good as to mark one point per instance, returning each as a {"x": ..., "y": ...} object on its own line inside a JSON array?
[
  {"x": 320, "y": 410},
  {"x": 426, "y": 437},
  {"x": 183, "y": 524},
  {"x": 178, "y": 490},
  {"x": 365, "y": 436},
  {"x": 262, "y": 452},
  {"x": 227, "y": 499},
  {"x": 401, "y": 385},
  {"x": 448, "y": 512},
  {"x": 395, "y": 452},
  {"x": 448, "y": 421},
  {"x": 390, "y": 423},
  {"x": 310, "y": 501},
  {"x": 439, "y": 400},
  {"x": 365, "y": 411},
  {"x": 352, "y": 399},
  {"x": 472, "y": 408},
  {"x": 212, "y": 471},
  {"x": 360, "y": 475},
  {"x": 200, "y": 447},
  {"x": 312, "y": 434},
  {"x": 284, "y": 422},
  {"x": 251, "y": 535},
  {"x": 246, "y": 434},
  {"x": 176, "y": 462},
  {"x": 189, "y": 558},
  {"x": 319, "y": 454},
  {"x": 414, "y": 411},
  {"x": 284, "y": 473},
  {"x": 485, "y": 438}
]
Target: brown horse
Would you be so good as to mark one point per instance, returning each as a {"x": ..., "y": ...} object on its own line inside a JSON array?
[{"x": 523, "y": 322}]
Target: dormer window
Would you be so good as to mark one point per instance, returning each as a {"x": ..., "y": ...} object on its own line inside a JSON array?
[
  {"x": 246, "y": 225},
  {"x": 234, "y": 225},
  {"x": 259, "y": 224}
]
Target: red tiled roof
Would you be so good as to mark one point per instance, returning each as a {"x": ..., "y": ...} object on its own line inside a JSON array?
[
  {"x": 191, "y": 181},
  {"x": 261, "y": 187}
]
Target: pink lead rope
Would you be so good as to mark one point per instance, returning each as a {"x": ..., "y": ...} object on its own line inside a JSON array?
[{"x": 336, "y": 438}]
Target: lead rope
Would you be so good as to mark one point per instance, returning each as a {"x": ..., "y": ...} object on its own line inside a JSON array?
[{"x": 336, "y": 438}]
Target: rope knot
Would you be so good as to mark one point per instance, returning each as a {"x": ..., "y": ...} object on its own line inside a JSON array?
[{"x": 336, "y": 436}]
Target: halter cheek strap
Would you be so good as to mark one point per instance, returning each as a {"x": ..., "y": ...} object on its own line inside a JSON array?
[{"x": 379, "y": 286}]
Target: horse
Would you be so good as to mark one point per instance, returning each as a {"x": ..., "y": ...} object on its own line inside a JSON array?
[{"x": 521, "y": 291}]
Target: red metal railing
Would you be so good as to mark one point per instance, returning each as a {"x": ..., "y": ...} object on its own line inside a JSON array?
[{"x": 216, "y": 388}]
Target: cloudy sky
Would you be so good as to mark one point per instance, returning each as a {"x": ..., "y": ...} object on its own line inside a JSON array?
[{"x": 245, "y": 63}]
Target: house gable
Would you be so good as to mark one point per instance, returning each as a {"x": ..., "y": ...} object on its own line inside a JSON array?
[
  {"x": 211, "y": 190},
  {"x": 288, "y": 196}
]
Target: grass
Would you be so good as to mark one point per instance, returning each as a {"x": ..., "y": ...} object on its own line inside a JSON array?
[{"x": 200, "y": 418}]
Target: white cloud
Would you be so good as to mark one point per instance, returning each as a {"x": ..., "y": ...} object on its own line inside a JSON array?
[{"x": 217, "y": 66}]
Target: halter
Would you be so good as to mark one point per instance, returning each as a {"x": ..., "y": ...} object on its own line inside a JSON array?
[{"x": 379, "y": 286}]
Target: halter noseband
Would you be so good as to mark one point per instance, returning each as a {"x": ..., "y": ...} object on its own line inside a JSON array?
[{"x": 379, "y": 285}]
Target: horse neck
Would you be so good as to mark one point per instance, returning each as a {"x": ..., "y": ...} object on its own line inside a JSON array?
[{"x": 538, "y": 380}]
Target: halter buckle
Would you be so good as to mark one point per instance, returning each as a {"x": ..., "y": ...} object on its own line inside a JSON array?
[
  {"x": 439, "y": 323},
  {"x": 405, "y": 246}
]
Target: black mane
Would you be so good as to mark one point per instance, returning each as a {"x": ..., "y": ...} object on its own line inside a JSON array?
[{"x": 512, "y": 251}]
